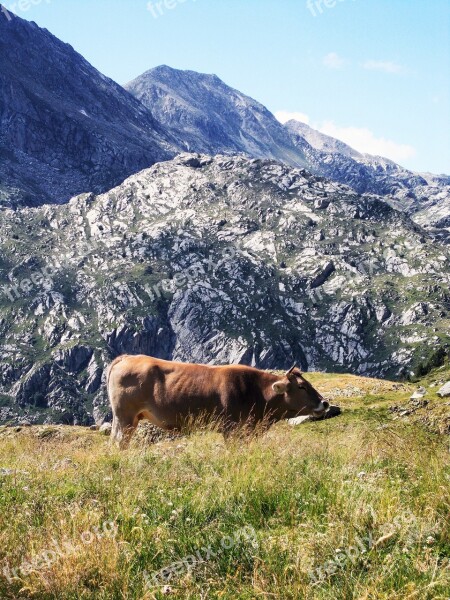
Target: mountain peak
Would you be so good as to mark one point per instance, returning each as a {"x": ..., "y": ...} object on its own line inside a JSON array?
[{"x": 211, "y": 117}]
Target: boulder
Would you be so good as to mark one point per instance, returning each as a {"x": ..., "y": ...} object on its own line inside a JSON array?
[
  {"x": 444, "y": 391},
  {"x": 105, "y": 429},
  {"x": 419, "y": 393}
]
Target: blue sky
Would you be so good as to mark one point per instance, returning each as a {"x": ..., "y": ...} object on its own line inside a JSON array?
[{"x": 375, "y": 73}]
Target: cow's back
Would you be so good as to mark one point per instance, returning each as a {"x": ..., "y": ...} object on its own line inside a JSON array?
[{"x": 167, "y": 392}]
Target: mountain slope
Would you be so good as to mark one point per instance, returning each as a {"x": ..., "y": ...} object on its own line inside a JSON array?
[
  {"x": 365, "y": 173},
  {"x": 425, "y": 197},
  {"x": 64, "y": 127},
  {"x": 214, "y": 260},
  {"x": 320, "y": 141},
  {"x": 208, "y": 116}
]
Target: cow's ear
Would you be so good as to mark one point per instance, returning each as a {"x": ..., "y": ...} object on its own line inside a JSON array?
[{"x": 279, "y": 387}]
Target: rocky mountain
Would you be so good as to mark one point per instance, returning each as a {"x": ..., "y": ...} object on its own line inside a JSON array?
[
  {"x": 246, "y": 257},
  {"x": 223, "y": 259},
  {"x": 206, "y": 115},
  {"x": 64, "y": 127},
  {"x": 423, "y": 196},
  {"x": 320, "y": 141}
]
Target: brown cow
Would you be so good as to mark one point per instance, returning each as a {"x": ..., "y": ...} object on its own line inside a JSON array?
[{"x": 169, "y": 393}]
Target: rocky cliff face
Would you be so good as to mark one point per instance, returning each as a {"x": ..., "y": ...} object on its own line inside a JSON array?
[
  {"x": 222, "y": 259},
  {"x": 64, "y": 127}
]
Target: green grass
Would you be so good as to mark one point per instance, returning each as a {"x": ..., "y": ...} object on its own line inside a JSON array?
[{"x": 352, "y": 507}]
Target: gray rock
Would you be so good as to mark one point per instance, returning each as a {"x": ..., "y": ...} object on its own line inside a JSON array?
[
  {"x": 444, "y": 391},
  {"x": 419, "y": 393},
  {"x": 105, "y": 429},
  {"x": 73, "y": 359},
  {"x": 212, "y": 118}
]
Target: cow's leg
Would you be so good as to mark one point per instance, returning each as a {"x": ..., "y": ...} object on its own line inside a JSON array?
[{"x": 122, "y": 430}]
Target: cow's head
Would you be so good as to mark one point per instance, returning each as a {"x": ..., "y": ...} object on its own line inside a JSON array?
[{"x": 297, "y": 396}]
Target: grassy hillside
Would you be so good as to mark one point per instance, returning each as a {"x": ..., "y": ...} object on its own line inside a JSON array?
[{"x": 351, "y": 507}]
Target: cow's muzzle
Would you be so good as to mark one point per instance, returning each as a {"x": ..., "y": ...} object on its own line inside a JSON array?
[{"x": 323, "y": 406}]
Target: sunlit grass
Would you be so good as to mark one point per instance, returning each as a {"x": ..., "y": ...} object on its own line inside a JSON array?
[{"x": 310, "y": 494}]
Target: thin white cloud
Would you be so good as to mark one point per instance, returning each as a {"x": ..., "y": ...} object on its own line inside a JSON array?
[
  {"x": 333, "y": 61},
  {"x": 284, "y": 116},
  {"x": 364, "y": 140},
  {"x": 386, "y": 66}
]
